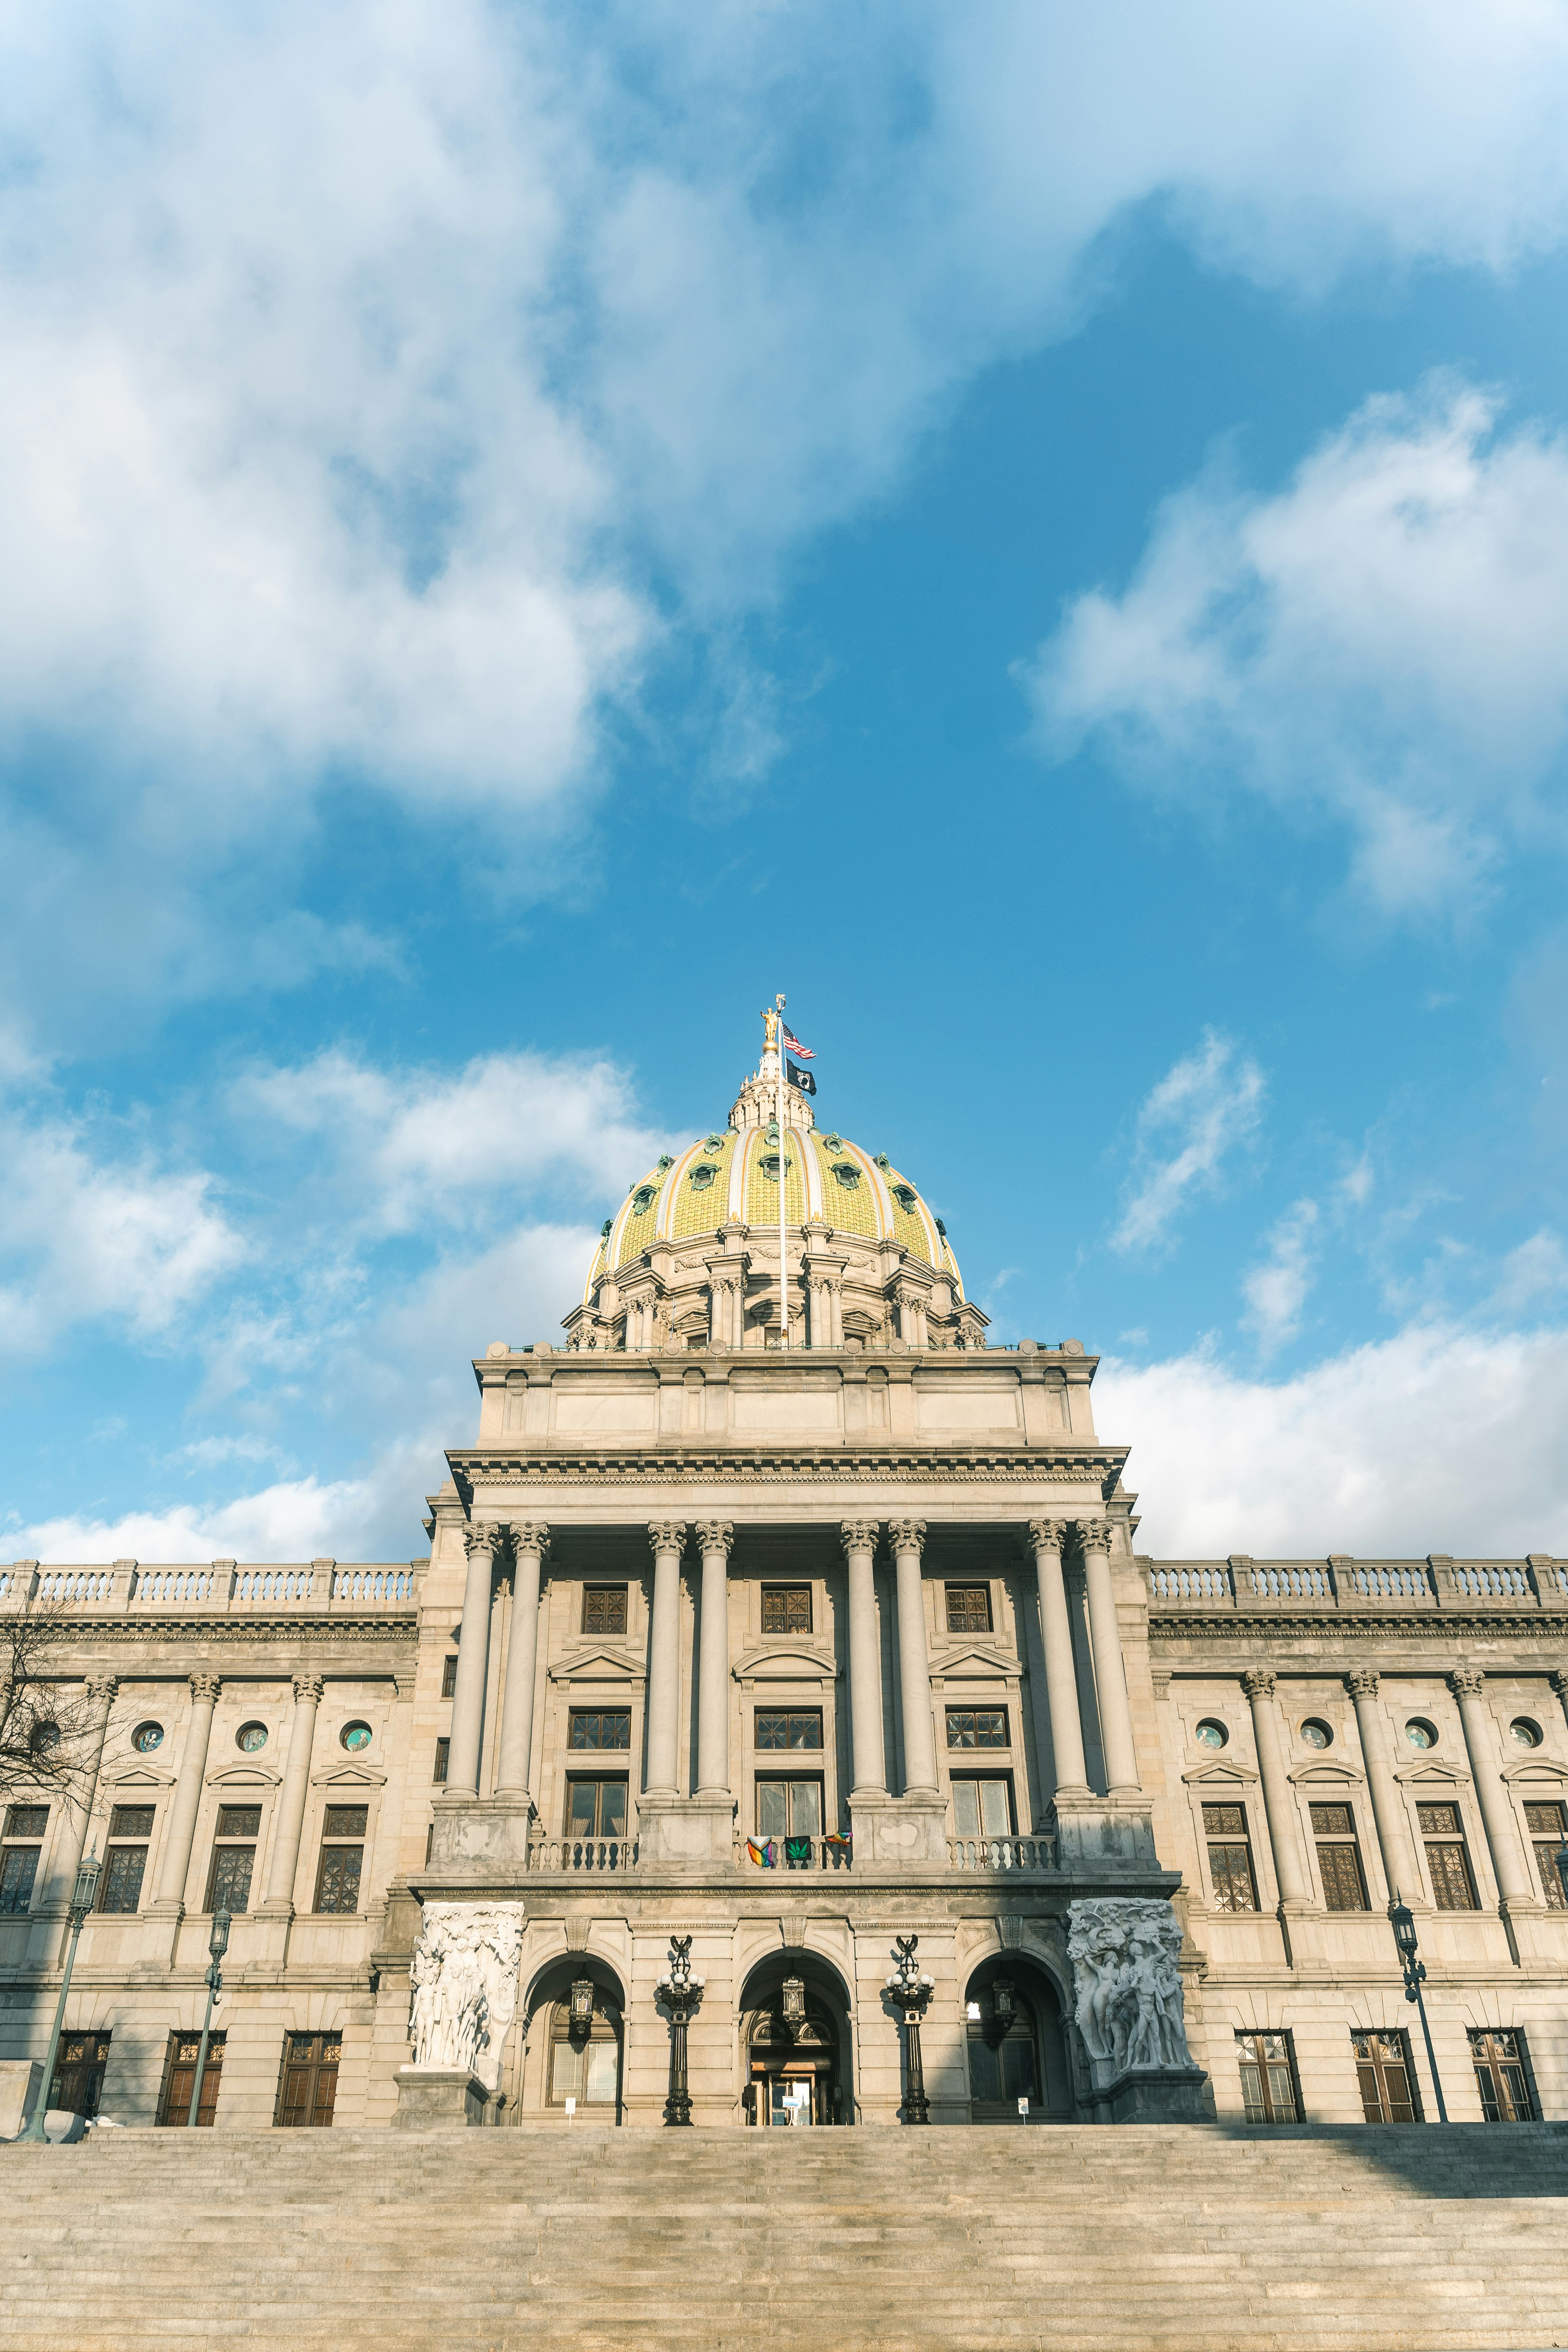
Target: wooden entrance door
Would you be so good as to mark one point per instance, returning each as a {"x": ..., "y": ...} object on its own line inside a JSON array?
[
  {"x": 79, "y": 2073},
  {"x": 307, "y": 2086},
  {"x": 180, "y": 2075}
]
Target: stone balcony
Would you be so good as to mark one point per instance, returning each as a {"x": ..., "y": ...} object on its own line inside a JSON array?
[{"x": 1530, "y": 1589}]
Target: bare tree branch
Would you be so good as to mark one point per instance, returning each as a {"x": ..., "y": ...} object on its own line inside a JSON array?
[{"x": 43, "y": 1713}]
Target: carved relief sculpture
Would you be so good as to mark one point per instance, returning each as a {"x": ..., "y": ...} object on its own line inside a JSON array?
[
  {"x": 1129, "y": 1989},
  {"x": 463, "y": 1986}
]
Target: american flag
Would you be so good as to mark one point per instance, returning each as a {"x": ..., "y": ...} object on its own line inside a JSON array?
[{"x": 806, "y": 1053}]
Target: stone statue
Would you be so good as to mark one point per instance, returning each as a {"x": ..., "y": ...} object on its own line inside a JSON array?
[
  {"x": 1129, "y": 1989},
  {"x": 462, "y": 1986}
]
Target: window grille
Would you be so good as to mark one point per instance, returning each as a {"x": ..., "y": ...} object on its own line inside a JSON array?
[
  {"x": 1389, "y": 2093},
  {"x": 786, "y": 1608},
  {"x": 1268, "y": 2078},
  {"x": 343, "y": 1858},
  {"x": 1339, "y": 1857},
  {"x": 609, "y": 1727},
  {"x": 1453, "y": 1883},
  {"x": 228, "y": 1880},
  {"x": 977, "y": 1726},
  {"x": 969, "y": 1608},
  {"x": 1230, "y": 1858},
  {"x": 1502, "y": 2076},
  {"x": 603, "y": 1609},
  {"x": 796, "y": 1727},
  {"x": 1547, "y": 1831}
]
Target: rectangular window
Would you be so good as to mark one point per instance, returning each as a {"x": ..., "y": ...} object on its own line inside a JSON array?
[
  {"x": 1387, "y": 2079},
  {"x": 1453, "y": 1887},
  {"x": 969, "y": 1608},
  {"x": 1230, "y": 1858},
  {"x": 1502, "y": 2076},
  {"x": 596, "y": 1808},
  {"x": 228, "y": 1880},
  {"x": 180, "y": 2076},
  {"x": 789, "y": 1808},
  {"x": 443, "y": 1751},
  {"x": 1547, "y": 1830},
  {"x": 125, "y": 1858},
  {"x": 131, "y": 1822},
  {"x": 19, "y": 1868},
  {"x": 977, "y": 1726},
  {"x": 795, "y": 1726},
  {"x": 603, "y": 1609},
  {"x": 308, "y": 2084},
  {"x": 1339, "y": 1857},
  {"x": 77, "y": 2083},
  {"x": 448, "y": 1676},
  {"x": 1268, "y": 2078},
  {"x": 601, "y": 1727},
  {"x": 981, "y": 1808},
  {"x": 786, "y": 1608},
  {"x": 343, "y": 1857},
  {"x": 28, "y": 1822}
]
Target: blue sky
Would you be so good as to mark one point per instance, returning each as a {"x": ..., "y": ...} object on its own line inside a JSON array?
[{"x": 528, "y": 530}]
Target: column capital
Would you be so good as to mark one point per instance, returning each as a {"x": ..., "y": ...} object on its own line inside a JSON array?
[
  {"x": 308, "y": 1689},
  {"x": 1047, "y": 1535},
  {"x": 1558, "y": 1678},
  {"x": 666, "y": 1535},
  {"x": 531, "y": 1534},
  {"x": 714, "y": 1534},
  {"x": 1466, "y": 1682},
  {"x": 483, "y": 1537},
  {"x": 205, "y": 1689},
  {"x": 1362, "y": 1683},
  {"x": 907, "y": 1534},
  {"x": 1094, "y": 1535},
  {"x": 860, "y": 1535},
  {"x": 1258, "y": 1682},
  {"x": 100, "y": 1689}
]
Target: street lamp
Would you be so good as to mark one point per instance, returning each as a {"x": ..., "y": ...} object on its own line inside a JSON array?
[
  {"x": 1404, "y": 1926},
  {"x": 81, "y": 1903},
  {"x": 680, "y": 1992},
  {"x": 217, "y": 1945},
  {"x": 910, "y": 1989}
]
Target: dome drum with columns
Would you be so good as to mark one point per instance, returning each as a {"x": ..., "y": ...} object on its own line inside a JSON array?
[{"x": 690, "y": 1260}]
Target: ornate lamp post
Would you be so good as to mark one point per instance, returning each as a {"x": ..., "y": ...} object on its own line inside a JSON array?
[
  {"x": 912, "y": 1990},
  {"x": 1415, "y": 1977},
  {"x": 81, "y": 1903},
  {"x": 217, "y": 1945},
  {"x": 681, "y": 1992}
]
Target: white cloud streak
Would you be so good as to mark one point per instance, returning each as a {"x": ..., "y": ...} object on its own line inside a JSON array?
[
  {"x": 1276, "y": 1291},
  {"x": 1383, "y": 644},
  {"x": 1205, "y": 1109}
]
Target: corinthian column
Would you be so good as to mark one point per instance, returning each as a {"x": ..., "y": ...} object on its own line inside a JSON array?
[
  {"x": 1503, "y": 1831},
  {"x": 667, "y": 1538},
  {"x": 1061, "y": 1740},
  {"x": 869, "y": 1770},
  {"x": 188, "y": 1793},
  {"x": 529, "y": 1542},
  {"x": 714, "y": 1536},
  {"x": 473, "y": 1663},
  {"x": 1387, "y": 1812},
  {"x": 907, "y": 1539},
  {"x": 1109, "y": 1674},
  {"x": 1288, "y": 1867},
  {"x": 285, "y": 1864}
]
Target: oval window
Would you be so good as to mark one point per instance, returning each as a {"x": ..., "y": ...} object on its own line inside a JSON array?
[
  {"x": 1316, "y": 1734},
  {"x": 1212, "y": 1734},
  {"x": 146, "y": 1737},
  {"x": 1527, "y": 1733},
  {"x": 354, "y": 1735},
  {"x": 43, "y": 1737},
  {"x": 250, "y": 1737},
  {"x": 1420, "y": 1733},
  {"x": 845, "y": 1172}
]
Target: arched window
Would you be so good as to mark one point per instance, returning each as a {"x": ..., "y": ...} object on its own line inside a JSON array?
[
  {"x": 585, "y": 2054},
  {"x": 1003, "y": 2060}
]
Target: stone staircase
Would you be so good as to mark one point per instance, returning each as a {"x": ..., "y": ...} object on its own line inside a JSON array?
[{"x": 1199, "y": 2239}]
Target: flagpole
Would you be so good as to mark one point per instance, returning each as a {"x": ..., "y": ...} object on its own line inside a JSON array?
[{"x": 783, "y": 1212}]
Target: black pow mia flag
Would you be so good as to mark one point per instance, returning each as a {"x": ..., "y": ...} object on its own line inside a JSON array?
[{"x": 799, "y": 1077}]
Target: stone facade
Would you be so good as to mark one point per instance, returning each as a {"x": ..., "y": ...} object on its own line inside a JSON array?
[{"x": 794, "y": 1651}]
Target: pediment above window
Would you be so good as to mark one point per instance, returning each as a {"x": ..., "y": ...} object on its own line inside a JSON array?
[
  {"x": 794, "y": 1662},
  {"x": 1537, "y": 1768},
  {"x": 596, "y": 1664},
  {"x": 243, "y": 1776},
  {"x": 1323, "y": 1773},
  {"x": 1432, "y": 1770},
  {"x": 975, "y": 1665},
  {"x": 1220, "y": 1774},
  {"x": 139, "y": 1776},
  {"x": 342, "y": 1776}
]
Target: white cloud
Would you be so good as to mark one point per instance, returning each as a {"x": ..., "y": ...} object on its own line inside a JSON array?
[
  {"x": 1276, "y": 1291},
  {"x": 1383, "y": 641},
  {"x": 1440, "y": 1439},
  {"x": 1533, "y": 1275},
  {"x": 1204, "y": 1109},
  {"x": 297, "y": 1520}
]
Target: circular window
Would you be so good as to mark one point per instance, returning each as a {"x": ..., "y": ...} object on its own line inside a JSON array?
[
  {"x": 1316, "y": 1734},
  {"x": 355, "y": 1735},
  {"x": 146, "y": 1737},
  {"x": 1212, "y": 1734},
  {"x": 1528, "y": 1734},
  {"x": 43, "y": 1737},
  {"x": 250, "y": 1737},
  {"x": 1420, "y": 1733}
]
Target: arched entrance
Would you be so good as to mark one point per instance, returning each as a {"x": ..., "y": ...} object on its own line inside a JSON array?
[
  {"x": 795, "y": 2041},
  {"x": 1014, "y": 2044},
  {"x": 576, "y": 2040}
]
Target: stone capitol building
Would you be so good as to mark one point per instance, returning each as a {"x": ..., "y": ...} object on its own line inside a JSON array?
[{"x": 837, "y": 1658}]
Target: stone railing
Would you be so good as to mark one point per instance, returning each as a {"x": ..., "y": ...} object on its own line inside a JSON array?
[
  {"x": 1002, "y": 1853},
  {"x": 1368, "y": 1587},
  {"x": 793, "y": 1854},
  {"x": 220, "y": 1587},
  {"x": 583, "y": 1853}
]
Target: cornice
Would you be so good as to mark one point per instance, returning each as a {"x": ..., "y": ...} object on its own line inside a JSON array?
[
  {"x": 1351, "y": 1625},
  {"x": 140, "y": 1631},
  {"x": 762, "y": 1465}
]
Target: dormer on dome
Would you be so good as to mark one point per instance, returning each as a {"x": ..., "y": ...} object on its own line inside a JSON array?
[{"x": 690, "y": 1259}]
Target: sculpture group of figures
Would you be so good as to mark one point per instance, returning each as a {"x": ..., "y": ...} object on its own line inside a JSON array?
[
  {"x": 463, "y": 1984},
  {"x": 1129, "y": 1989}
]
